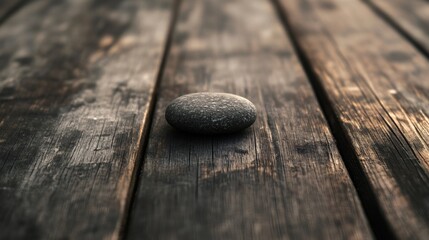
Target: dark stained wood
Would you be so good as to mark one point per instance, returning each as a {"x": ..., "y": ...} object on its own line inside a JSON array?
[
  {"x": 76, "y": 83},
  {"x": 378, "y": 86},
  {"x": 282, "y": 178},
  {"x": 410, "y": 16}
]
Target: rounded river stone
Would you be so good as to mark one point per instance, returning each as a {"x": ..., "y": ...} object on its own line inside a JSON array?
[{"x": 210, "y": 113}]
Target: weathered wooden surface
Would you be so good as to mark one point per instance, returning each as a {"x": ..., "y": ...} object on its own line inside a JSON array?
[
  {"x": 8, "y": 8},
  {"x": 282, "y": 178},
  {"x": 411, "y": 17},
  {"x": 378, "y": 86},
  {"x": 76, "y": 82}
]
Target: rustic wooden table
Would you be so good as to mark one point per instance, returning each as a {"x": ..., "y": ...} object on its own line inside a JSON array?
[{"x": 340, "y": 149}]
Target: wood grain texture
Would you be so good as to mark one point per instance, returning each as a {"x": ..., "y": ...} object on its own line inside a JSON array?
[
  {"x": 410, "y": 16},
  {"x": 76, "y": 82},
  {"x": 377, "y": 84},
  {"x": 282, "y": 178}
]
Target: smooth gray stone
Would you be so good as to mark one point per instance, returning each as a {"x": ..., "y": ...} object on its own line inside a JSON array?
[{"x": 210, "y": 113}]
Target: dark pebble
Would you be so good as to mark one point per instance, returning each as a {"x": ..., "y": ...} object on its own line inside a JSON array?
[{"x": 210, "y": 113}]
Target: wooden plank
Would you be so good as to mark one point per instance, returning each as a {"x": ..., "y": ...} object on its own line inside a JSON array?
[
  {"x": 411, "y": 17},
  {"x": 282, "y": 178},
  {"x": 76, "y": 85},
  {"x": 376, "y": 83}
]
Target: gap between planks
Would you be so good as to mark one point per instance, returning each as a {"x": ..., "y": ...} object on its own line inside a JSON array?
[
  {"x": 373, "y": 212},
  {"x": 61, "y": 162},
  {"x": 148, "y": 124},
  {"x": 397, "y": 26},
  {"x": 378, "y": 206}
]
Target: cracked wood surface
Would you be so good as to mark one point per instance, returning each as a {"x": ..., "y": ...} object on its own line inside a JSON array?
[
  {"x": 77, "y": 80},
  {"x": 282, "y": 178},
  {"x": 376, "y": 83}
]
